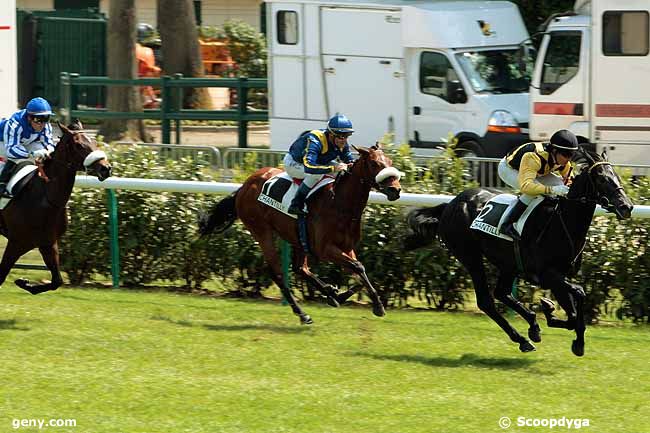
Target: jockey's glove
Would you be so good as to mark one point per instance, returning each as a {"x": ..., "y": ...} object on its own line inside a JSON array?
[
  {"x": 560, "y": 190},
  {"x": 41, "y": 153}
]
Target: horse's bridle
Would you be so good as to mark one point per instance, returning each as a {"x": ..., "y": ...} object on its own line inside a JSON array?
[{"x": 89, "y": 159}]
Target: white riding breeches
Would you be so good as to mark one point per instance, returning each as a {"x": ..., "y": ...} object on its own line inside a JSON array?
[
  {"x": 297, "y": 170},
  {"x": 511, "y": 177}
]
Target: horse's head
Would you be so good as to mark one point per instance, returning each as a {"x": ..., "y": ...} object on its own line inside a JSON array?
[
  {"x": 374, "y": 167},
  {"x": 80, "y": 152},
  {"x": 597, "y": 181}
]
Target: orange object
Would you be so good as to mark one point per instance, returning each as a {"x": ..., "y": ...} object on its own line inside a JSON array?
[
  {"x": 147, "y": 68},
  {"x": 216, "y": 57}
]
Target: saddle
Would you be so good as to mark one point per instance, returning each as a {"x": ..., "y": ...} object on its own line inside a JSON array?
[
  {"x": 493, "y": 214},
  {"x": 279, "y": 190},
  {"x": 23, "y": 173}
]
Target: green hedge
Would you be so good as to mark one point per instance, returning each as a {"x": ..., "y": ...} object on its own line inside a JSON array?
[{"x": 159, "y": 243}]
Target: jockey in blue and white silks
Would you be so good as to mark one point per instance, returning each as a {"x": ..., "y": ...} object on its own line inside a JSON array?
[
  {"x": 312, "y": 154},
  {"x": 27, "y": 134}
]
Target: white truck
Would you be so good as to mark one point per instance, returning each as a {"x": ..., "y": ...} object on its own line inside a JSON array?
[
  {"x": 9, "y": 56},
  {"x": 592, "y": 76},
  {"x": 419, "y": 70}
]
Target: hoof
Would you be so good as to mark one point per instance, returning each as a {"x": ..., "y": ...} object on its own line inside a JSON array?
[
  {"x": 526, "y": 346},
  {"x": 332, "y": 302},
  {"x": 378, "y": 310},
  {"x": 305, "y": 319},
  {"x": 23, "y": 283},
  {"x": 578, "y": 349},
  {"x": 534, "y": 333},
  {"x": 547, "y": 305}
]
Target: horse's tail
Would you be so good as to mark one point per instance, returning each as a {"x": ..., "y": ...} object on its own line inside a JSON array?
[
  {"x": 423, "y": 223},
  {"x": 222, "y": 215}
]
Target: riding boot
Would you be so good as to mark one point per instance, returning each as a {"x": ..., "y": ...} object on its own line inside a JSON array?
[
  {"x": 5, "y": 176},
  {"x": 298, "y": 202},
  {"x": 508, "y": 227}
]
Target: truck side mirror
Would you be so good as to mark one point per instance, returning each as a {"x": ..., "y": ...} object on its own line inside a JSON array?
[{"x": 455, "y": 93}]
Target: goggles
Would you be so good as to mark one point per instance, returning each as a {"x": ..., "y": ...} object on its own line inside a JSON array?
[
  {"x": 342, "y": 134},
  {"x": 40, "y": 119}
]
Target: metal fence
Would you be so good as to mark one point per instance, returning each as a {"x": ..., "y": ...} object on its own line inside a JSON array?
[{"x": 483, "y": 170}]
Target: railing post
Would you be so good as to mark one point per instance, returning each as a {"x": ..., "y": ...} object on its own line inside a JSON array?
[
  {"x": 113, "y": 232},
  {"x": 73, "y": 93},
  {"x": 178, "y": 106},
  {"x": 165, "y": 107},
  {"x": 65, "y": 98},
  {"x": 242, "y": 102}
]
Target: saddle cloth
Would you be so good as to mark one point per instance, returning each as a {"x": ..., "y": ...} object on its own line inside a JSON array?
[
  {"x": 491, "y": 217},
  {"x": 20, "y": 178},
  {"x": 279, "y": 190}
]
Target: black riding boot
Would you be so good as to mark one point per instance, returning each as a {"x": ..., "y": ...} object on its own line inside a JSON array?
[
  {"x": 508, "y": 227},
  {"x": 298, "y": 202},
  {"x": 5, "y": 176}
]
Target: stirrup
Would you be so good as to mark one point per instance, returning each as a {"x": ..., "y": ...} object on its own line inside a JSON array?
[
  {"x": 511, "y": 231},
  {"x": 294, "y": 210}
]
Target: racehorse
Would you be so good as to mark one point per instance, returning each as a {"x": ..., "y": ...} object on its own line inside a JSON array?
[
  {"x": 550, "y": 247},
  {"x": 334, "y": 223},
  {"x": 36, "y": 216}
]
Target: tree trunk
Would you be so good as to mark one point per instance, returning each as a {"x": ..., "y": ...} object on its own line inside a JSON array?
[
  {"x": 180, "y": 47},
  {"x": 122, "y": 64}
]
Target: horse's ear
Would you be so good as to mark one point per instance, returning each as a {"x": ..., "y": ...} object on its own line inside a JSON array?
[
  {"x": 63, "y": 128},
  {"x": 376, "y": 146},
  {"x": 362, "y": 150},
  {"x": 604, "y": 155},
  {"x": 76, "y": 125}
]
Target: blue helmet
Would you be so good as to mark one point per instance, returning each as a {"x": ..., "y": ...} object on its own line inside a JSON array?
[
  {"x": 39, "y": 107},
  {"x": 339, "y": 124}
]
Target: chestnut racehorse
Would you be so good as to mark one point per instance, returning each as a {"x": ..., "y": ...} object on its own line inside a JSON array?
[
  {"x": 333, "y": 221},
  {"x": 36, "y": 216}
]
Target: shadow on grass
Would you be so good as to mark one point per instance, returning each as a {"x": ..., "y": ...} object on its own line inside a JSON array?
[
  {"x": 466, "y": 360},
  {"x": 236, "y": 327},
  {"x": 11, "y": 324}
]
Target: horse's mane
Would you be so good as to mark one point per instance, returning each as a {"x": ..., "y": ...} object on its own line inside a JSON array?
[{"x": 585, "y": 158}]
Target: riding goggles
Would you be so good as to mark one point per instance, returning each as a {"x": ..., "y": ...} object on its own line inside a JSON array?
[
  {"x": 342, "y": 134},
  {"x": 40, "y": 119}
]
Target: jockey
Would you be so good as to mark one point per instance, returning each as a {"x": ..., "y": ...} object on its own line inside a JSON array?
[
  {"x": 531, "y": 168},
  {"x": 26, "y": 134},
  {"x": 311, "y": 156}
]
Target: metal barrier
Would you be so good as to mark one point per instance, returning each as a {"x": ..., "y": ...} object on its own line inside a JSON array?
[
  {"x": 178, "y": 151},
  {"x": 236, "y": 157},
  {"x": 170, "y": 109}
]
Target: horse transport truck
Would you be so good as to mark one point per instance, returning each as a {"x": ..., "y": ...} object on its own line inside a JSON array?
[
  {"x": 423, "y": 71},
  {"x": 9, "y": 56},
  {"x": 592, "y": 76}
]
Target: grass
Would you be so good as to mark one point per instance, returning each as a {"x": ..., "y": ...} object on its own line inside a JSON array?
[{"x": 128, "y": 361}]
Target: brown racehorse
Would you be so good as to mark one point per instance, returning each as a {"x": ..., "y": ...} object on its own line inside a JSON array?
[
  {"x": 334, "y": 223},
  {"x": 36, "y": 216}
]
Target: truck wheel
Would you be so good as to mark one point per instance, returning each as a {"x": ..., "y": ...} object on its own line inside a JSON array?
[{"x": 469, "y": 148}]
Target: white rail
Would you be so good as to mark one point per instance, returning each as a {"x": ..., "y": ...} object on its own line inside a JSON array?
[{"x": 195, "y": 187}]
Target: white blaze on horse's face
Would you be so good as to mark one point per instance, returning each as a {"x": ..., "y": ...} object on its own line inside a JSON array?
[{"x": 387, "y": 172}]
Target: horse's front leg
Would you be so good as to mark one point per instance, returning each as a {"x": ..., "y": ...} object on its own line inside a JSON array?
[
  {"x": 571, "y": 298},
  {"x": 301, "y": 266},
  {"x": 50, "y": 254},
  {"x": 349, "y": 260}
]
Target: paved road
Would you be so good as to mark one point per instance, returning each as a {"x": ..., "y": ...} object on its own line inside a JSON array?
[{"x": 221, "y": 138}]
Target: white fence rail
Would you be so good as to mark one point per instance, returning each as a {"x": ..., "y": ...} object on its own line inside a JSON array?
[{"x": 195, "y": 187}]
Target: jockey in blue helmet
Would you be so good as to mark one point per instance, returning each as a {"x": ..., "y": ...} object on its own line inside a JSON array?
[
  {"x": 313, "y": 154},
  {"x": 26, "y": 134}
]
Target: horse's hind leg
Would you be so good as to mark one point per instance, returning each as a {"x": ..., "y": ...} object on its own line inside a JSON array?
[
  {"x": 485, "y": 301},
  {"x": 301, "y": 266},
  {"x": 13, "y": 251},
  {"x": 503, "y": 293},
  {"x": 50, "y": 254},
  {"x": 273, "y": 259}
]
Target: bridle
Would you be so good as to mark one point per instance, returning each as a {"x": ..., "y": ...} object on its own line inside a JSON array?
[{"x": 88, "y": 160}]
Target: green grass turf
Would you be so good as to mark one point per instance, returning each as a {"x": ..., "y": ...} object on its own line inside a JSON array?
[{"x": 128, "y": 361}]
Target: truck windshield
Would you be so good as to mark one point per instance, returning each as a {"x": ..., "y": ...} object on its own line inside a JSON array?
[{"x": 496, "y": 71}]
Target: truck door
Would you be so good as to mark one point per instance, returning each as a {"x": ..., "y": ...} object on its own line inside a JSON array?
[
  {"x": 620, "y": 90},
  {"x": 558, "y": 94},
  {"x": 434, "y": 111},
  {"x": 362, "y": 64}
]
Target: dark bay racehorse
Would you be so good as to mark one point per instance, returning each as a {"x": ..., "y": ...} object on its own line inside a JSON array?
[
  {"x": 36, "y": 216},
  {"x": 334, "y": 223},
  {"x": 551, "y": 246}
]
